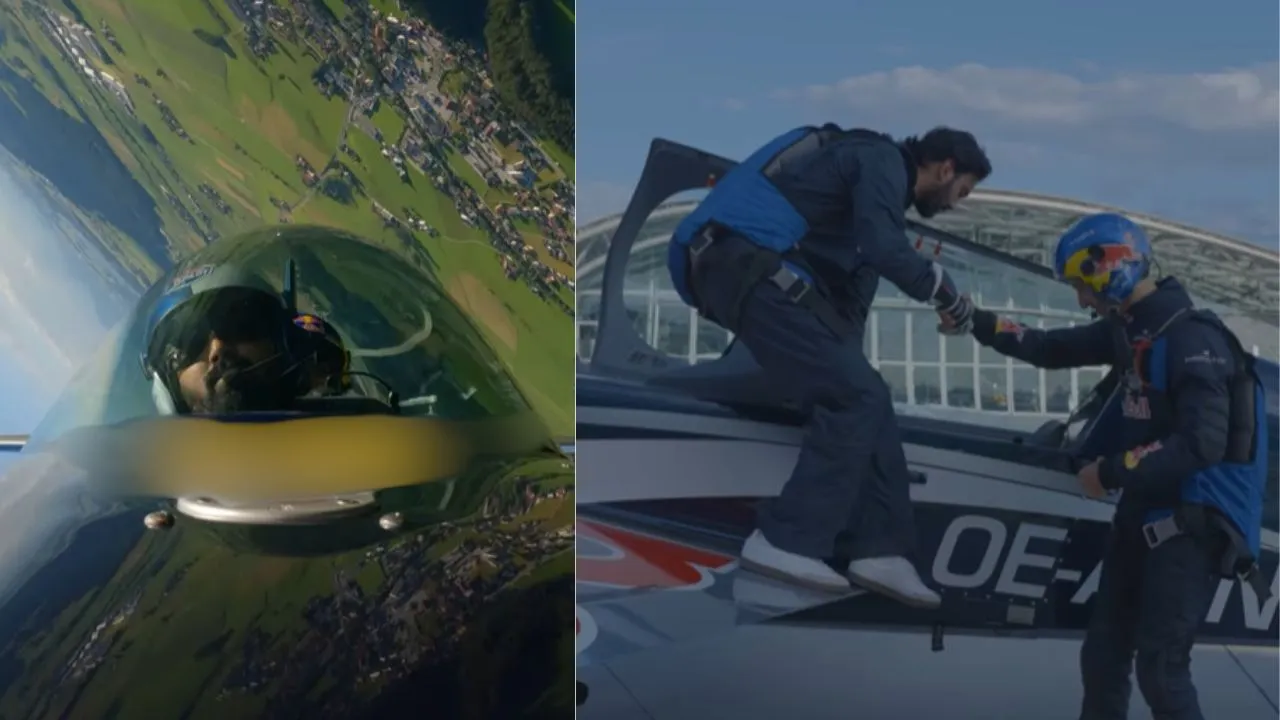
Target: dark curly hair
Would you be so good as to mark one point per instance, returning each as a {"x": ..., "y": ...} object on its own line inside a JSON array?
[{"x": 943, "y": 143}]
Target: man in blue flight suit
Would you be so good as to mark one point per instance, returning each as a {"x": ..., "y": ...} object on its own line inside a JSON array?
[
  {"x": 1182, "y": 437},
  {"x": 786, "y": 252}
]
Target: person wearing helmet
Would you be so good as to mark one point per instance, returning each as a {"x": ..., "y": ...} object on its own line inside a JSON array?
[
  {"x": 328, "y": 364},
  {"x": 218, "y": 343},
  {"x": 1182, "y": 439}
]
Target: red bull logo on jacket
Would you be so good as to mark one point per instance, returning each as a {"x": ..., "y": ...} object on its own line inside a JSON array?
[
  {"x": 1134, "y": 457},
  {"x": 1005, "y": 326}
]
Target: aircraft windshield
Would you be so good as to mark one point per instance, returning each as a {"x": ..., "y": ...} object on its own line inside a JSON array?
[{"x": 292, "y": 300}]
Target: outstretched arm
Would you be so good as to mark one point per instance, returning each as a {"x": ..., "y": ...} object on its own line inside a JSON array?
[{"x": 1069, "y": 347}]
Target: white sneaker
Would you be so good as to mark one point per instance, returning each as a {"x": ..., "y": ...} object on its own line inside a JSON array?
[
  {"x": 896, "y": 578},
  {"x": 760, "y": 555}
]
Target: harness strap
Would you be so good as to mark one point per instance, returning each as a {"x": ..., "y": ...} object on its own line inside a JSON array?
[
  {"x": 807, "y": 296},
  {"x": 1201, "y": 524},
  {"x": 759, "y": 265}
]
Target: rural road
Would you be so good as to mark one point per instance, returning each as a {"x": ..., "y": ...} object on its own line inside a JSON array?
[
  {"x": 409, "y": 343},
  {"x": 337, "y": 148}
]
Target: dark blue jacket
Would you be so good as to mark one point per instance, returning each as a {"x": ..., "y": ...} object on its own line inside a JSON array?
[
  {"x": 1173, "y": 404},
  {"x": 852, "y": 194},
  {"x": 855, "y": 195}
]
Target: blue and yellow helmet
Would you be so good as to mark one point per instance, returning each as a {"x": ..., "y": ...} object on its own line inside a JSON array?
[{"x": 1108, "y": 253}]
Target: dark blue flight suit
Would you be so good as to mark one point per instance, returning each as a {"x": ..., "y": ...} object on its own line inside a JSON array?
[
  {"x": 1183, "y": 436},
  {"x": 848, "y": 496}
]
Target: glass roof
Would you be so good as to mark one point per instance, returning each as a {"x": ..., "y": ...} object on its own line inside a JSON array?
[{"x": 1240, "y": 282}]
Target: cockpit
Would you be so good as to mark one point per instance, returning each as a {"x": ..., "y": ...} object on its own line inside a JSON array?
[{"x": 293, "y": 321}]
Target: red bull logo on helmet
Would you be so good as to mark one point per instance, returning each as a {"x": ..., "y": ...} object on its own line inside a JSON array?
[{"x": 1115, "y": 257}]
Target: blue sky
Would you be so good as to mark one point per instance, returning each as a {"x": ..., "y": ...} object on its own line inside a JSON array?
[
  {"x": 1160, "y": 107},
  {"x": 47, "y": 322}
]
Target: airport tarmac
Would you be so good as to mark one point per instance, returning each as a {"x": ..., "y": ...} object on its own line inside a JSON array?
[{"x": 766, "y": 672}]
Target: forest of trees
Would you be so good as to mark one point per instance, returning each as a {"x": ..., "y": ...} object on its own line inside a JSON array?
[{"x": 530, "y": 47}]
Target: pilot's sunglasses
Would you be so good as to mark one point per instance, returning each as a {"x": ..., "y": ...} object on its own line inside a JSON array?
[{"x": 233, "y": 315}]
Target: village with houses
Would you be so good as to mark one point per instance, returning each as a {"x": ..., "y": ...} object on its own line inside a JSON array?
[
  {"x": 454, "y": 130},
  {"x": 366, "y": 627}
]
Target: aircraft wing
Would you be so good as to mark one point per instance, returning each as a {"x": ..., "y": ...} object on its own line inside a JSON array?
[
  {"x": 638, "y": 591},
  {"x": 12, "y": 443}
]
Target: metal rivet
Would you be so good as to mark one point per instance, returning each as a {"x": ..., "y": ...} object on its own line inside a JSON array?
[
  {"x": 391, "y": 521},
  {"x": 158, "y": 520}
]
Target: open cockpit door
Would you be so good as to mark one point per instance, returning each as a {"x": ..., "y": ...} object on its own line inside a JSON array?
[{"x": 670, "y": 168}]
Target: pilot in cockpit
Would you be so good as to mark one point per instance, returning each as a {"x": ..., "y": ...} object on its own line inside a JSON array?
[{"x": 220, "y": 341}]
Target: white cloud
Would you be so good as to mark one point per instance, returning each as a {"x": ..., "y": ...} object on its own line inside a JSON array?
[
  {"x": 1239, "y": 99},
  {"x": 1189, "y": 145},
  {"x": 1227, "y": 116},
  {"x": 48, "y": 317},
  {"x": 1017, "y": 152},
  {"x": 724, "y": 104}
]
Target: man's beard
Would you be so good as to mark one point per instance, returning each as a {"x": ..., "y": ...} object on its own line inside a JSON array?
[
  {"x": 932, "y": 203},
  {"x": 236, "y": 385}
]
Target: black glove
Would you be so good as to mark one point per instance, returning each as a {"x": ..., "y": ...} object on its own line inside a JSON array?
[{"x": 948, "y": 301}]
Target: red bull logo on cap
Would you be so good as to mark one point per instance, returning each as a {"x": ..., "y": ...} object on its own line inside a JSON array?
[{"x": 310, "y": 323}]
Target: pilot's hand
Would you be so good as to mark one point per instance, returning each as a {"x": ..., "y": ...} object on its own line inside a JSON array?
[{"x": 1090, "y": 481}]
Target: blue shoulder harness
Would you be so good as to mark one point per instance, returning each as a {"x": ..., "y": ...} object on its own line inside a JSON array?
[{"x": 748, "y": 203}]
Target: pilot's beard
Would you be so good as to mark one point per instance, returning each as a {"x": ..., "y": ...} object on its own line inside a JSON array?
[
  {"x": 935, "y": 201},
  {"x": 236, "y": 385},
  {"x": 929, "y": 205}
]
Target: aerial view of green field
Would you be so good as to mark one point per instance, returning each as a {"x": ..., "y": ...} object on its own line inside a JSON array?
[{"x": 162, "y": 130}]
